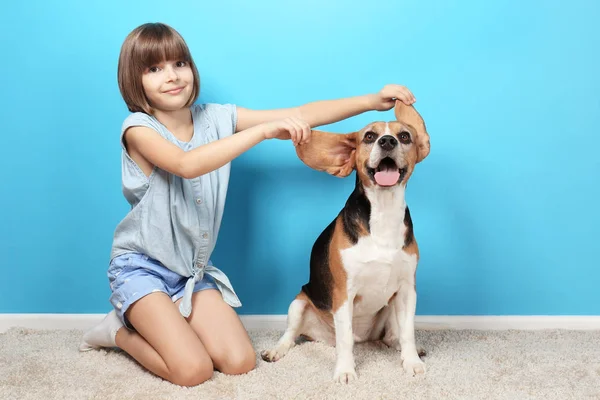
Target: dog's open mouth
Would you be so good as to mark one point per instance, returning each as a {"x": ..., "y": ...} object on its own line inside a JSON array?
[{"x": 387, "y": 172}]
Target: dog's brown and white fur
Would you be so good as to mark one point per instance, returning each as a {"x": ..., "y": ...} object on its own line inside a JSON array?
[{"x": 363, "y": 265}]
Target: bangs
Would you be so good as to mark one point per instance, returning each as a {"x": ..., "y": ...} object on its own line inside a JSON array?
[{"x": 157, "y": 44}]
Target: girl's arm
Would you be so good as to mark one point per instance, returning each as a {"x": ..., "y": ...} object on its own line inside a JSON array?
[
  {"x": 155, "y": 150},
  {"x": 328, "y": 111}
]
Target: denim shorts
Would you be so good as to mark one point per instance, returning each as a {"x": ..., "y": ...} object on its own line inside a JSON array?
[{"x": 134, "y": 275}]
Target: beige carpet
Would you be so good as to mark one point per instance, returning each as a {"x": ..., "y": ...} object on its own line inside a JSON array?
[{"x": 461, "y": 365}]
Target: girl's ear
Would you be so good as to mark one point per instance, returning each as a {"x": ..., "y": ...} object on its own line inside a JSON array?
[{"x": 330, "y": 152}]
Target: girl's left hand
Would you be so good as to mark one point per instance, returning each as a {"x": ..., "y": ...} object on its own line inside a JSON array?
[{"x": 386, "y": 98}]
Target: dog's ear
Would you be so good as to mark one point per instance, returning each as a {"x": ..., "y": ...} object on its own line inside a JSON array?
[
  {"x": 410, "y": 116},
  {"x": 330, "y": 152}
]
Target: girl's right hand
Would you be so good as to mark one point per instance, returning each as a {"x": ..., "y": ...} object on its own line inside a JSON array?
[{"x": 293, "y": 128}]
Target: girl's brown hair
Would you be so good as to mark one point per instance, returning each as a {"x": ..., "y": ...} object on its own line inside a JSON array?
[{"x": 148, "y": 45}]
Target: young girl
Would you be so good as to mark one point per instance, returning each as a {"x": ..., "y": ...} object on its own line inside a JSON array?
[{"x": 172, "y": 308}]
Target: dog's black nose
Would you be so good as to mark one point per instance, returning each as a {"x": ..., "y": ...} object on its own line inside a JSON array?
[{"x": 388, "y": 142}]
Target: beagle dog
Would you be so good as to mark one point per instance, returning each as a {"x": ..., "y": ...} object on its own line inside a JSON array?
[{"x": 363, "y": 265}]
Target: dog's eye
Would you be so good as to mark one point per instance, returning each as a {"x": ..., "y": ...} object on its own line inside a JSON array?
[
  {"x": 370, "y": 137},
  {"x": 404, "y": 137}
]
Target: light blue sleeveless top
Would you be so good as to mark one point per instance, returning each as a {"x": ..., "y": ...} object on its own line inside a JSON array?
[{"x": 175, "y": 220}]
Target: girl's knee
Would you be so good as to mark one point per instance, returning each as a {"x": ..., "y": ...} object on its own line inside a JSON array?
[
  {"x": 238, "y": 362},
  {"x": 191, "y": 373}
]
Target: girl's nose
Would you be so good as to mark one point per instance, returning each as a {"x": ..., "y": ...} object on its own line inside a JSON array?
[{"x": 171, "y": 74}]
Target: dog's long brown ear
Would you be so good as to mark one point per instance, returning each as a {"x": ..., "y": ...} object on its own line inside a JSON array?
[
  {"x": 410, "y": 116},
  {"x": 330, "y": 152}
]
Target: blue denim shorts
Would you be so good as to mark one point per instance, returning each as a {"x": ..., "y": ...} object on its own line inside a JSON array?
[{"x": 134, "y": 275}]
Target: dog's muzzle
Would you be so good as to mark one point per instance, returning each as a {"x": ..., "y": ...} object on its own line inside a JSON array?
[{"x": 386, "y": 171}]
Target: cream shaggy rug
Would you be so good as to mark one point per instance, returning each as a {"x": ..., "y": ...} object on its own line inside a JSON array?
[{"x": 461, "y": 365}]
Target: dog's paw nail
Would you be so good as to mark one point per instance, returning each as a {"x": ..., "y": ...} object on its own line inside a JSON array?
[
  {"x": 345, "y": 376},
  {"x": 414, "y": 366},
  {"x": 269, "y": 356}
]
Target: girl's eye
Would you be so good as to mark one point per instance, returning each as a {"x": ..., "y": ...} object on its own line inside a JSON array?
[
  {"x": 153, "y": 69},
  {"x": 181, "y": 64}
]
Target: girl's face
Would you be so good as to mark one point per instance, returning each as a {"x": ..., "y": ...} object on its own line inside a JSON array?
[{"x": 168, "y": 85}]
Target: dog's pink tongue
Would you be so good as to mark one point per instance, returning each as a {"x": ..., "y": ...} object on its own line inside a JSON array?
[{"x": 387, "y": 178}]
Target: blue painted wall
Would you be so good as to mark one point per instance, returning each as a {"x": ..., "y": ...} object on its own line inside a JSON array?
[{"x": 506, "y": 207}]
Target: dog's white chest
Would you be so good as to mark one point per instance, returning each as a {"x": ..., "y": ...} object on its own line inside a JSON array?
[
  {"x": 377, "y": 264},
  {"x": 375, "y": 272}
]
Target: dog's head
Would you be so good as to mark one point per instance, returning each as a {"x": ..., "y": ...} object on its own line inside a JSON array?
[{"x": 384, "y": 154}]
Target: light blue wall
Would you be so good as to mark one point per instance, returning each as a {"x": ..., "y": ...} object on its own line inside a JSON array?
[{"x": 506, "y": 207}]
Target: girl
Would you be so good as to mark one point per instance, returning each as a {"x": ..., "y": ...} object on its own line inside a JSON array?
[{"x": 172, "y": 308}]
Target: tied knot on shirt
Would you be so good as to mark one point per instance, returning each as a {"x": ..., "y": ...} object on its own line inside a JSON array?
[{"x": 185, "y": 307}]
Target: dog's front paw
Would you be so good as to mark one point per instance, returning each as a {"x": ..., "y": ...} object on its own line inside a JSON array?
[
  {"x": 414, "y": 366},
  {"x": 273, "y": 354},
  {"x": 345, "y": 376},
  {"x": 344, "y": 373}
]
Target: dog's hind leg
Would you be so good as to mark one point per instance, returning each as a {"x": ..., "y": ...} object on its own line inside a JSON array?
[
  {"x": 287, "y": 341},
  {"x": 391, "y": 329}
]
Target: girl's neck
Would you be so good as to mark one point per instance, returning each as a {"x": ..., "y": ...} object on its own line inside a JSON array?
[{"x": 179, "y": 122}]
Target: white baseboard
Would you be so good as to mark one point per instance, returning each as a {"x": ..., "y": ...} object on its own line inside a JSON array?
[{"x": 278, "y": 322}]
